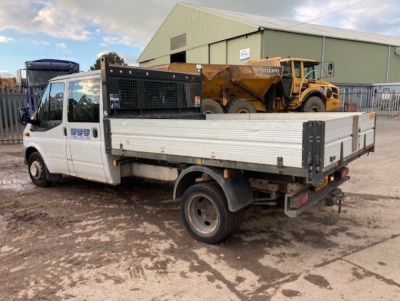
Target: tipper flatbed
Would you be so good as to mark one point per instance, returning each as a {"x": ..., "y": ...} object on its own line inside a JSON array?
[{"x": 126, "y": 121}]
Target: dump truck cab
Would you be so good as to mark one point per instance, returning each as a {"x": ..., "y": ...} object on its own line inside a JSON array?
[
  {"x": 302, "y": 89},
  {"x": 265, "y": 85},
  {"x": 305, "y": 90}
]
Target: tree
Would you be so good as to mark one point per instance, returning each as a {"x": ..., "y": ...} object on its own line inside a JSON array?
[{"x": 113, "y": 58}]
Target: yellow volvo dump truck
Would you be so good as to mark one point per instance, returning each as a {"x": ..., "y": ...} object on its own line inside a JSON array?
[{"x": 266, "y": 85}]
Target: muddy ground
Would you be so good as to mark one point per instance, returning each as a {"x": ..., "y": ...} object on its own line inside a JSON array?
[{"x": 80, "y": 240}]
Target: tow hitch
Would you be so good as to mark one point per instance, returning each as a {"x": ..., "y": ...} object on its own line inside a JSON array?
[{"x": 336, "y": 197}]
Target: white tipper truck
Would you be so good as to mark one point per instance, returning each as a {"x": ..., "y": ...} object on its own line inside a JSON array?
[{"x": 124, "y": 121}]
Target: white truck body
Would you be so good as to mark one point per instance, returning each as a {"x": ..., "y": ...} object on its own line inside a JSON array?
[
  {"x": 298, "y": 158},
  {"x": 248, "y": 138}
]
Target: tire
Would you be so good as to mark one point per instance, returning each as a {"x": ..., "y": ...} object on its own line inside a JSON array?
[
  {"x": 205, "y": 213},
  {"x": 210, "y": 106},
  {"x": 240, "y": 106},
  {"x": 314, "y": 104},
  {"x": 37, "y": 170}
]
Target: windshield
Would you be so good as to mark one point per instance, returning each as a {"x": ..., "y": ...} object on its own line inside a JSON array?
[
  {"x": 309, "y": 70},
  {"x": 42, "y": 77}
]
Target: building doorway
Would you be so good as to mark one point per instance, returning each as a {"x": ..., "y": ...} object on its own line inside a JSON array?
[{"x": 179, "y": 57}]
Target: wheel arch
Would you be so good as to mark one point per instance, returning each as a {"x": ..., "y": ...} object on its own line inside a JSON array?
[
  {"x": 29, "y": 151},
  {"x": 32, "y": 149},
  {"x": 313, "y": 93},
  {"x": 236, "y": 189}
]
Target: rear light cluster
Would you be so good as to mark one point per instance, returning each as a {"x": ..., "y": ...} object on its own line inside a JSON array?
[
  {"x": 340, "y": 174},
  {"x": 344, "y": 172},
  {"x": 303, "y": 197},
  {"x": 300, "y": 199}
]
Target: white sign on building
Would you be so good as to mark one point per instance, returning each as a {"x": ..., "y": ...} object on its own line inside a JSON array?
[{"x": 244, "y": 54}]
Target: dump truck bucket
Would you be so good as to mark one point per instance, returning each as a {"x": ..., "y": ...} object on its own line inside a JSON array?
[{"x": 232, "y": 81}]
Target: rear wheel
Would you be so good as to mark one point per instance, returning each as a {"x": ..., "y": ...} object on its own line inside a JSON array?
[
  {"x": 37, "y": 170},
  {"x": 205, "y": 213},
  {"x": 210, "y": 106},
  {"x": 240, "y": 106},
  {"x": 314, "y": 104}
]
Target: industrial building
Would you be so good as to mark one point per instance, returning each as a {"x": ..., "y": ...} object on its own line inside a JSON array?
[{"x": 204, "y": 35}]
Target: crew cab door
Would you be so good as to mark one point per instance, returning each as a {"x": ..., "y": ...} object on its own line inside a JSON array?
[
  {"x": 84, "y": 131},
  {"x": 49, "y": 132}
]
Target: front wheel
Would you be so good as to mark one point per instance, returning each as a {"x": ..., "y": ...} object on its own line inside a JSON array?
[
  {"x": 205, "y": 213},
  {"x": 314, "y": 104},
  {"x": 37, "y": 170}
]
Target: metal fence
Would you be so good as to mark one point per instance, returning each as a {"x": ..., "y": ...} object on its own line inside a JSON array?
[
  {"x": 369, "y": 100},
  {"x": 10, "y": 127}
]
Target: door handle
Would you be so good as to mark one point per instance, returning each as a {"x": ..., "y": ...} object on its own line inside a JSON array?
[
  {"x": 95, "y": 133},
  {"x": 65, "y": 132}
]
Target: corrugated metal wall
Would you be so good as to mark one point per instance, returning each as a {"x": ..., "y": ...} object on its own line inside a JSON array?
[
  {"x": 357, "y": 62},
  {"x": 218, "y": 53},
  {"x": 285, "y": 44},
  {"x": 198, "y": 55},
  {"x": 210, "y": 38},
  {"x": 394, "y": 66},
  {"x": 156, "y": 62},
  {"x": 252, "y": 42},
  {"x": 201, "y": 29}
]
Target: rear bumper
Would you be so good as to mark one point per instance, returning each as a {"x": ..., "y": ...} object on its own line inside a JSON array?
[{"x": 318, "y": 197}]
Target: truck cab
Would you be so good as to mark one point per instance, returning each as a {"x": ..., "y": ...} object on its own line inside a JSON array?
[{"x": 67, "y": 131}]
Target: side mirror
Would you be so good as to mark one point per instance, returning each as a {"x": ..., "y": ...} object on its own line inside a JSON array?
[
  {"x": 331, "y": 69},
  {"x": 23, "y": 116}
]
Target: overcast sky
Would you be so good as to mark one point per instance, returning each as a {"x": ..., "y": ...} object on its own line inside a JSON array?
[{"x": 81, "y": 30}]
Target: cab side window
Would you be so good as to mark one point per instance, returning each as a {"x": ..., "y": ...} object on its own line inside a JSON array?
[
  {"x": 84, "y": 100},
  {"x": 309, "y": 71},
  {"x": 297, "y": 69},
  {"x": 50, "y": 111},
  {"x": 286, "y": 69}
]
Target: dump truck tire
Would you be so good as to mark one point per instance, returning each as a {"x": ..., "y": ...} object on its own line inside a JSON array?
[
  {"x": 240, "y": 106},
  {"x": 314, "y": 104},
  {"x": 210, "y": 106}
]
